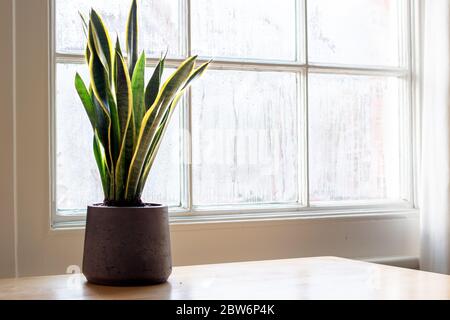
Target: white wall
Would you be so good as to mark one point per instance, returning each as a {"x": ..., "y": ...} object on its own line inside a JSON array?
[
  {"x": 43, "y": 251},
  {"x": 7, "y": 251}
]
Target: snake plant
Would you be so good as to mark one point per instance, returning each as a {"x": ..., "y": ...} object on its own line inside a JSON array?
[{"x": 128, "y": 118}]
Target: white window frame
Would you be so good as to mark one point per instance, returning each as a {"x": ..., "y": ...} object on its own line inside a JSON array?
[{"x": 409, "y": 98}]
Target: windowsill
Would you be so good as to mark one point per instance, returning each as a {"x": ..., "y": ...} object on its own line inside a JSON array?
[{"x": 271, "y": 217}]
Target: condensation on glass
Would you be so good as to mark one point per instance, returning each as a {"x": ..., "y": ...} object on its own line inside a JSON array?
[
  {"x": 254, "y": 29},
  {"x": 354, "y": 137},
  {"x": 157, "y": 34},
  {"x": 245, "y": 138},
  {"x": 355, "y": 32}
]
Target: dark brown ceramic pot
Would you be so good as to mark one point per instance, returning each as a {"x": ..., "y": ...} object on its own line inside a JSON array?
[{"x": 127, "y": 246}]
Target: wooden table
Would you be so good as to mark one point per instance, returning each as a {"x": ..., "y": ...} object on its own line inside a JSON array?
[{"x": 306, "y": 278}]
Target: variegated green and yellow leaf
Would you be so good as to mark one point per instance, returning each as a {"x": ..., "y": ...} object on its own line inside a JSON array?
[
  {"x": 101, "y": 121},
  {"x": 154, "y": 148},
  {"x": 123, "y": 93},
  {"x": 137, "y": 84},
  {"x": 84, "y": 24},
  {"x": 197, "y": 73},
  {"x": 86, "y": 100},
  {"x": 125, "y": 103},
  {"x": 152, "y": 90},
  {"x": 100, "y": 159},
  {"x": 116, "y": 135},
  {"x": 156, "y": 143},
  {"x": 102, "y": 41},
  {"x": 101, "y": 97},
  {"x": 98, "y": 74},
  {"x": 132, "y": 38},
  {"x": 152, "y": 120},
  {"x": 118, "y": 50}
]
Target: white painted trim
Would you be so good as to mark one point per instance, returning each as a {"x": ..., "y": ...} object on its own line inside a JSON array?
[
  {"x": 263, "y": 65},
  {"x": 265, "y": 212},
  {"x": 186, "y": 218}
]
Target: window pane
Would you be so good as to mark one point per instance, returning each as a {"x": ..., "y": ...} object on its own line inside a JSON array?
[
  {"x": 258, "y": 29},
  {"x": 245, "y": 138},
  {"x": 159, "y": 26},
  {"x": 354, "y": 137},
  {"x": 77, "y": 179},
  {"x": 364, "y": 32}
]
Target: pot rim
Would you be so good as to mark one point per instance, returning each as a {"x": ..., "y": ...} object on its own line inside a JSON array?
[{"x": 147, "y": 206}]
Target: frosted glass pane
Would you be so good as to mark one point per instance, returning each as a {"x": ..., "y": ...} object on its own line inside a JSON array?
[
  {"x": 354, "y": 137},
  {"x": 77, "y": 179},
  {"x": 259, "y": 29},
  {"x": 159, "y": 27},
  {"x": 364, "y": 32},
  {"x": 244, "y": 138}
]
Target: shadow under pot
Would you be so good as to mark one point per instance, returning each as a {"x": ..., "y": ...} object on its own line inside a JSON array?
[{"x": 127, "y": 246}]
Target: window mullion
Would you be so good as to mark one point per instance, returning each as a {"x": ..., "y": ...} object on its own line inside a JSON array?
[
  {"x": 415, "y": 25},
  {"x": 185, "y": 27},
  {"x": 186, "y": 162},
  {"x": 407, "y": 106},
  {"x": 303, "y": 147},
  {"x": 262, "y": 65},
  {"x": 303, "y": 121},
  {"x": 301, "y": 35}
]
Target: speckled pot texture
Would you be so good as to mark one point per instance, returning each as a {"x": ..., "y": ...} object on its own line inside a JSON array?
[{"x": 127, "y": 246}]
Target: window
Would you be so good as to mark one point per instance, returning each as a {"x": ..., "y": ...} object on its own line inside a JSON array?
[{"x": 307, "y": 105}]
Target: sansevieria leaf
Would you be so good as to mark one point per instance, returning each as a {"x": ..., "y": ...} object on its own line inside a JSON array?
[
  {"x": 100, "y": 158},
  {"x": 102, "y": 122},
  {"x": 118, "y": 50},
  {"x": 116, "y": 135},
  {"x": 163, "y": 127},
  {"x": 84, "y": 24},
  {"x": 102, "y": 41},
  {"x": 86, "y": 99},
  {"x": 156, "y": 142},
  {"x": 149, "y": 127},
  {"x": 137, "y": 84},
  {"x": 197, "y": 73},
  {"x": 100, "y": 89},
  {"x": 152, "y": 90},
  {"x": 124, "y": 94},
  {"x": 132, "y": 38},
  {"x": 98, "y": 73},
  {"x": 100, "y": 83},
  {"x": 125, "y": 103}
]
